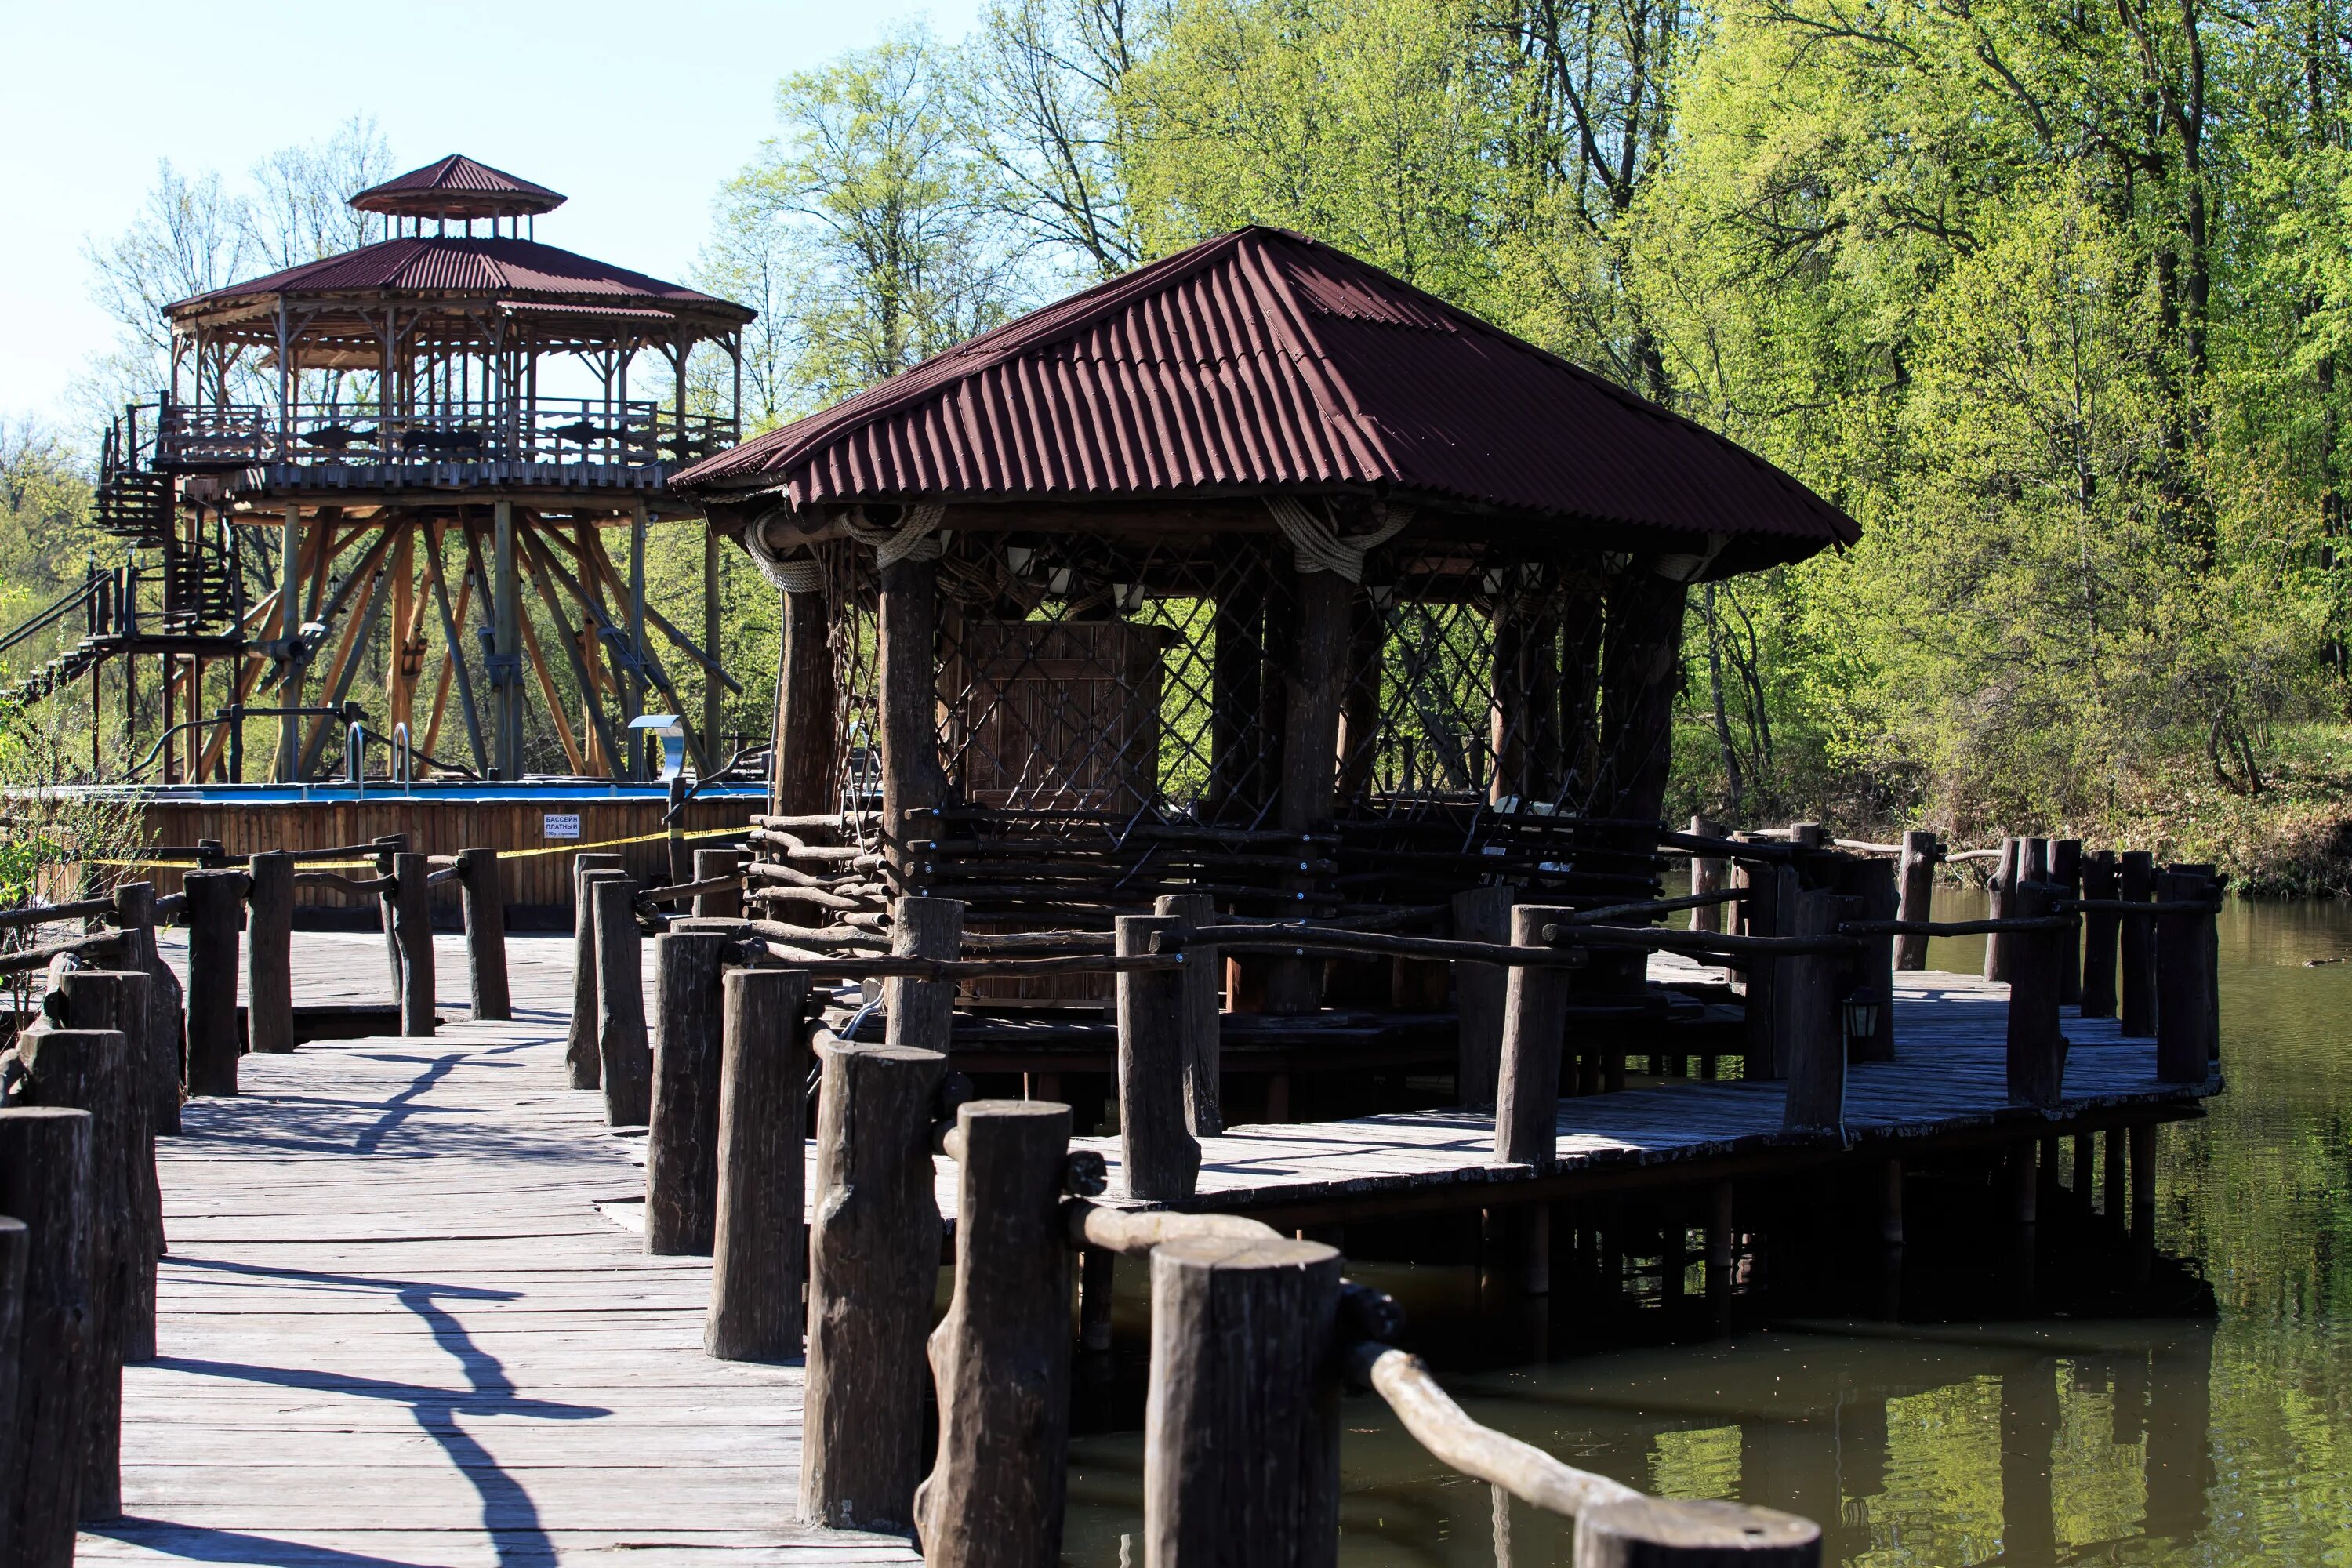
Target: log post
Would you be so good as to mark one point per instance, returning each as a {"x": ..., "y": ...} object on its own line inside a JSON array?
[
  {"x": 1770, "y": 904},
  {"x": 580, "y": 1046},
  {"x": 1534, "y": 1021},
  {"x": 1159, "y": 1156},
  {"x": 728, "y": 902},
  {"x": 2136, "y": 941},
  {"x": 625, "y": 1056},
  {"x": 134, "y": 914},
  {"x": 15, "y": 1248},
  {"x": 112, "y": 999},
  {"x": 760, "y": 1251},
  {"x": 1480, "y": 915},
  {"x": 681, "y": 858},
  {"x": 216, "y": 907},
  {"x": 1721, "y": 1239},
  {"x": 89, "y": 1070},
  {"x": 270, "y": 954},
  {"x": 1916, "y": 895},
  {"x": 1663, "y": 1532},
  {"x": 920, "y": 1012},
  {"x": 1872, "y": 883},
  {"x": 2066, "y": 876},
  {"x": 682, "y": 1134},
  {"x": 1242, "y": 1421},
  {"x": 1000, "y": 1357},
  {"x": 2099, "y": 937},
  {"x": 482, "y": 894},
  {"x": 412, "y": 927},
  {"x": 2184, "y": 1004},
  {"x": 386, "y": 846},
  {"x": 1311, "y": 685},
  {"x": 2037, "y": 1046},
  {"x": 800, "y": 775},
  {"x": 2008, "y": 871},
  {"x": 1708, "y": 874},
  {"x": 1808, "y": 1029},
  {"x": 873, "y": 1249},
  {"x": 45, "y": 1181},
  {"x": 1203, "y": 1022}
]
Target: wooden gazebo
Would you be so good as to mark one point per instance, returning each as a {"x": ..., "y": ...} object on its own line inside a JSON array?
[{"x": 1255, "y": 574}]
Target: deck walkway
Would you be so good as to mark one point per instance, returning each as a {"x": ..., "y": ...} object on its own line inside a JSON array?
[{"x": 395, "y": 1331}]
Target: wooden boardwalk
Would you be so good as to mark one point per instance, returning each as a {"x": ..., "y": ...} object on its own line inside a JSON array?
[{"x": 395, "y": 1330}]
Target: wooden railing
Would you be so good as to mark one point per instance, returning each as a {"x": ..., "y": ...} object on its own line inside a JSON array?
[{"x": 587, "y": 430}]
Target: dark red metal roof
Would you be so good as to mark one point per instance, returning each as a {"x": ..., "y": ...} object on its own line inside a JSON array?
[
  {"x": 433, "y": 263},
  {"x": 457, "y": 186},
  {"x": 1263, "y": 360}
]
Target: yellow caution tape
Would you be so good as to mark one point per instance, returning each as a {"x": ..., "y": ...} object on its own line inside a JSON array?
[{"x": 503, "y": 854}]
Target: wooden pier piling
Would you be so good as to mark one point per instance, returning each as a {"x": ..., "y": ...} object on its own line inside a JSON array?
[
  {"x": 1807, "y": 1030},
  {"x": 682, "y": 1113},
  {"x": 1203, "y": 1022},
  {"x": 624, "y": 1052},
  {"x": 45, "y": 1182},
  {"x": 107, "y": 999},
  {"x": 2099, "y": 884},
  {"x": 269, "y": 953},
  {"x": 1534, "y": 1014},
  {"x": 481, "y": 886},
  {"x": 2135, "y": 884},
  {"x": 412, "y": 930},
  {"x": 581, "y": 1050},
  {"x": 719, "y": 903},
  {"x": 1480, "y": 915},
  {"x": 1158, "y": 1153},
  {"x": 760, "y": 1247},
  {"x": 16, "y": 1248},
  {"x": 2008, "y": 871},
  {"x": 1708, "y": 874},
  {"x": 2066, "y": 876},
  {"x": 919, "y": 1012},
  {"x": 215, "y": 908},
  {"x": 134, "y": 916},
  {"x": 2186, "y": 1017},
  {"x": 2037, "y": 1045},
  {"x": 1916, "y": 880}
]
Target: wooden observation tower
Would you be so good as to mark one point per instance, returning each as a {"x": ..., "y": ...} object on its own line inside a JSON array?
[{"x": 381, "y": 414}]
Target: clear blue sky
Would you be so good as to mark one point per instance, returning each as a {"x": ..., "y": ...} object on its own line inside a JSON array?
[{"x": 635, "y": 112}]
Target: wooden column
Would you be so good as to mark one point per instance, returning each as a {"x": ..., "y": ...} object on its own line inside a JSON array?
[
  {"x": 1708, "y": 874},
  {"x": 1001, "y": 1358},
  {"x": 507, "y": 642},
  {"x": 1916, "y": 895},
  {"x": 1242, "y": 1430},
  {"x": 134, "y": 916},
  {"x": 16, "y": 1249},
  {"x": 625, "y": 1056},
  {"x": 1809, "y": 1034},
  {"x": 45, "y": 1181},
  {"x": 1870, "y": 884},
  {"x": 2137, "y": 940},
  {"x": 89, "y": 1070},
  {"x": 2066, "y": 876},
  {"x": 801, "y": 780},
  {"x": 911, "y": 779},
  {"x": 1580, "y": 689},
  {"x": 2099, "y": 937},
  {"x": 1534, "y": 1019},
  {"x": 117, "y": 1000},
  {"x": 920, "y": 1012},
  {"x": 1768, "y": 910},
  {"x": 873, "y": 1251},
  {"x": 1203, "y": 1022},
  {"x": 1480, "y": 995},
  {"x": 1641, "y": 665},
  {"x": 726, "y": 903},
  {"x": 2037, "y": 1046},
  {"x": 2007, "y": 873},
  {"x": 760, "y": 1250},
  {"x": 412, "y": 916},
  {"x": 1159, "y": 1156},
  {"x": 216, "y": 907},
  {"x": 289, "y": 628},
  {"x": 682, "y": 1134},
  {"x": 269, "y": 953},
  {"x": 2185, "y": 1044},
  {"x": 579, "y": 1048},
  {"x": 481, "y": 886},
  {"x": 1310, "y": 756}
]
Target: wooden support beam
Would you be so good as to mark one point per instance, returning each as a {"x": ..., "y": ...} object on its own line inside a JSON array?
[
  {"x": 606, "y": 741},
  {"x": 802, "y": 780},
  {"x": 555, "y": 712},
  {"x": 759, "y": 1244}
]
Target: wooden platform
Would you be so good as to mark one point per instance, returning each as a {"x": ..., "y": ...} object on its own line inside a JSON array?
[{"x": 395, "y": 1330}]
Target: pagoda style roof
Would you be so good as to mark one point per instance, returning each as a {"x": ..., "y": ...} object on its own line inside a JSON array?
[
  {"x": 458, "y": 187},
  {"x": 1263, "y": 361},
  {"x": 499, "y": 275}
]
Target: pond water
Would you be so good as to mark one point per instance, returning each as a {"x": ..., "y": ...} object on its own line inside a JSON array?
[{"x": 2061, "y": 1407}]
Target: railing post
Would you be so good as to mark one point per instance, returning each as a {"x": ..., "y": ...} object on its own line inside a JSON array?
[
  {"x": 682, "y": 1132},
  {"x": 113, "y": 999},
  {"x": 412, "y": 927},
  {"x": 874, "y": 1253},
  {"x": 1001, "y": 1356},
  {"x": 1770, "y": 906},
  {"x": 681, "y": 858},
  {"x": 2037, "y": 1045},
  {"x": 2066, "y": 876},
  {"x": 1203, "y": 1022},
  {"x": 1664, "y": 1532},
  {"x": 2185, "y": 1042},
  {"x": 2136, "y": 885},
  {"x": 16, "y": 1248},
  {"x": 580, "y": 1047},
  {"x": 1708, "y": 874},
  {"x": 625, "y": 1055},
  {"x": 2099, "y": 936},
  {"x": 1809, "y": 1034},
  {"x": 1535, "y": 1020},
  {"x": 2008, "y": 871},
  {"x": 216, "y": 907},
  {"x": 1873, "y": 962},
  {"x": 728, "y": 902},
  {"x": 1916, "y": 895},
  {"x": 1242, "y": 1421},
  {"x": 166, "y": 1043},
  {"x": 386, "y": 846},
  {"x": 760, "y": 1251},
  {"x": 1159, "y": 1156},
  {"x": 89, "y": 1070},
  {"x": 45, "y": 1181},
  {"x": 1480, "y": 915},
  {"x": 270, "y": 954},
  {"x": 482, "y": 895},
  {"x": 920, "y": 1012}
]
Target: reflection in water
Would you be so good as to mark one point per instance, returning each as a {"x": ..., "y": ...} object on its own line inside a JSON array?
[{"x": 2074, "y": 1419}]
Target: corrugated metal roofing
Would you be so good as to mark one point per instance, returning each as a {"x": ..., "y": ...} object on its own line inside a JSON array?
[
  {"x": 1264, "y": 360},
  {"x": 457, "y": 186},
  {"x": 445, "y": 264}
]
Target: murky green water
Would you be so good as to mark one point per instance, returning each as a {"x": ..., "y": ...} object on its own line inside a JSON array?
[{"x": 2088, "y": 1421}]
